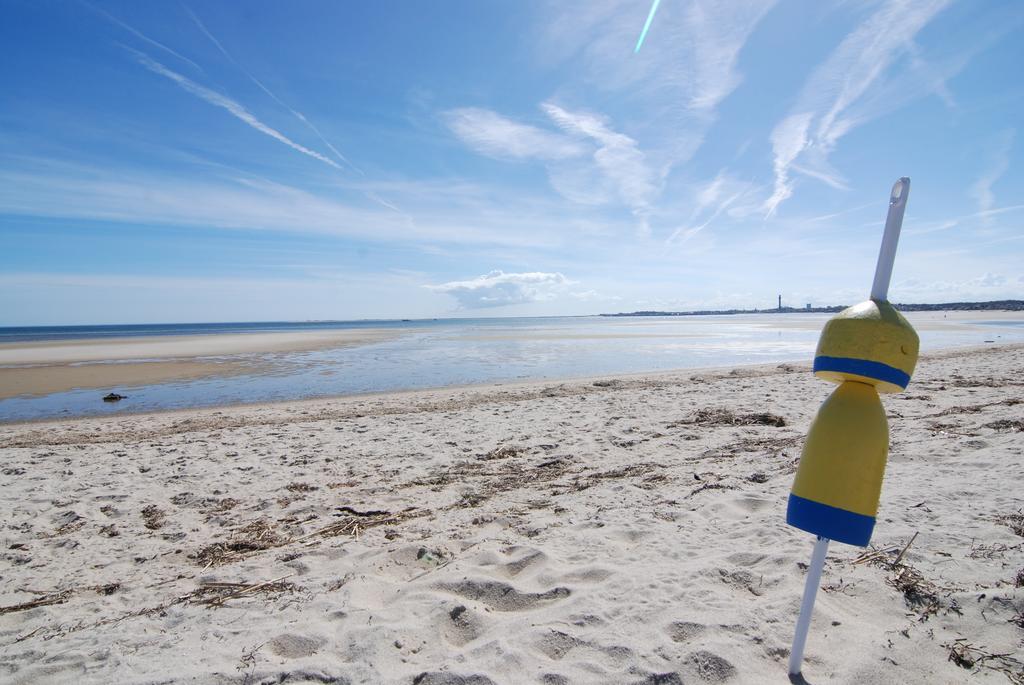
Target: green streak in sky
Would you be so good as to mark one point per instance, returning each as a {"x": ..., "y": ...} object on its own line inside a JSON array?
[{"x": 647, "y": 25}]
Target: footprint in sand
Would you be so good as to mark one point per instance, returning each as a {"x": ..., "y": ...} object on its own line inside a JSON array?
[
  {"x": 661, "y": 679},
  {"x": 526, "y": 559},
  {"x": 290, "y": 646},
  {"x": 684, "y": 631},
  {"x": 710, "y": 667},
  {"x": 745, "y": 580},
  {"x": 592, "y": 574},
  {"x": 531, "y": 559},
  {"x": 409, "y": 561},
  {"x": 556, "y": 644},
  {"x": 554, "y": 679},
  {"x": 752, "y": 505},
  {"x": 502, "y": 596},
  {"x": 628, "y": 534},
  {"x": 746, "y": 558},
  {"x": 461, "y": 625}
]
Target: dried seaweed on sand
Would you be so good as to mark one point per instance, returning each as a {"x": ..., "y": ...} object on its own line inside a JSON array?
[
  {"x": 966, "y": 655},
  {"x": 720, "y": 416},
  {"x": 1014, "y": 521},
  {"x": 254, "y": 537},
  {"x": 45, "y": 600},
  {"x": 261, "y": 535},
  {"x": 216, "y": 593}
]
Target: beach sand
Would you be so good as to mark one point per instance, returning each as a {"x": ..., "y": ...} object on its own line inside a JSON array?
[
  {"x": 604, "y": 531},
  {"x": 41, "y": 368}
]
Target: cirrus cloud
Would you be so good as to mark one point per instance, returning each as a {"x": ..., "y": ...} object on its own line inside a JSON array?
[
  {"x": 491, "y": 134},
  {"x": 855, "y": 84},
  {"x": 588, "y": 163}
]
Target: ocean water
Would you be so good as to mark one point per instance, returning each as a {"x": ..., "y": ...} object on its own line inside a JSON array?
[
  {"x": 53, "y": 333},
  {"x": 449, "y": 352}
]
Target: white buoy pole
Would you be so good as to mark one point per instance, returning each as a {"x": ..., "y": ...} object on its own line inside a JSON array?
[
  {"x": 803, "y": 624},
  {"x": 890, "y": 239}
]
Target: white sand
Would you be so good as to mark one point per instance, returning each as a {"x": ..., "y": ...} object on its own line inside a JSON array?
[{"x": 567, "y": 533}]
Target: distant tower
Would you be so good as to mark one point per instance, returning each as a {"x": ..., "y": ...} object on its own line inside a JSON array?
[{"x": 780, "y": 303}]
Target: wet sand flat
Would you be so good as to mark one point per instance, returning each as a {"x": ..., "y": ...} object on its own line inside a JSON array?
[
  {"x": 42, "y": 380},
  {"x": 38, "y": 368},
  {"x": 607, "y": 530}
]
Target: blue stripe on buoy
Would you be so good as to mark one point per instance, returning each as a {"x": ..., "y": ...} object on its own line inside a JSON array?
[
  {"x": 829, "y": 522},
  {"x": 863, "y": 367}
]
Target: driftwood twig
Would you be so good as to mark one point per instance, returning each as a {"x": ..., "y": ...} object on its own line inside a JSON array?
[
  {"x": 245, "y": 589},
  {"x": 55, "y": 598},
  {"x": 899, "y": 557}
]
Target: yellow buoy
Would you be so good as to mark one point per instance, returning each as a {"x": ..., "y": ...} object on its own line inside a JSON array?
[
  {"x": 871, "y": 343},
  {"x": 835, "y": 493}
]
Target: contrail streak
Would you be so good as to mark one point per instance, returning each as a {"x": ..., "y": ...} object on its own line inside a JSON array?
[
  {"x": 234, "y": 108},
  {"x": 140, "y": 34},
  {"x": 298, "y": 115},
  {"x": 647, "y": 25}
]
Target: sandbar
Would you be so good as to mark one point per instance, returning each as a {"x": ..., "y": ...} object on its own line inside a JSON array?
[{"x": 39, "y": 368}]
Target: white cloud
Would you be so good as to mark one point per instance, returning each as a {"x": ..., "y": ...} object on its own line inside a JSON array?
[
  {"x": 789, "y": 139},
  {"x": 587, "y": 164},
  {"x": 618, "y": 157},
  {"x": 719, "y": 196},
  {"x": 672, "y": 90},
  {"x": 689, "y": 55},
  {"x": 446, "y": 212},
  {"x": 719, "y": 31},
  {"x": 989, "y": 280},
  {"x": 491, "y": 134},
  {"x": 687, "y": 67},
  {"x": 850, "y": 88},
  {"x": 986, "y": 216},
  {"x": 981, "y": 190},
  {"x": 987, "y": 286},
  {"x": 498, "y": 288}
]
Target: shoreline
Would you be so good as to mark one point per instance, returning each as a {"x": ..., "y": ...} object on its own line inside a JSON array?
[
  {"x": 507, "y": 386},
  {"x": 541, "y": 532},
  {"x": 522, "y": 389}
]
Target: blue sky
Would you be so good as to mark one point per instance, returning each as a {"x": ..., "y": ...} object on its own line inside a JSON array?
[{"x": 182, "y": 161}]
